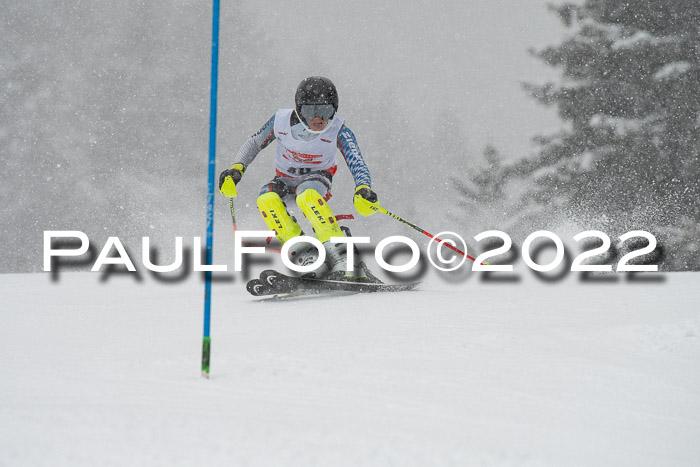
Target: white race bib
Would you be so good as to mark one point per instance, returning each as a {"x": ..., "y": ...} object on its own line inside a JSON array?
[{"x": 297, "y": 157}]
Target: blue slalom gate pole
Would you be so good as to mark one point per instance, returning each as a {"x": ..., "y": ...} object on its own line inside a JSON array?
[{"x": 206, "y": 344}]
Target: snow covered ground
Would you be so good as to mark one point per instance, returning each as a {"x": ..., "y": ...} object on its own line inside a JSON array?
[{"x": 528, "y": 373}]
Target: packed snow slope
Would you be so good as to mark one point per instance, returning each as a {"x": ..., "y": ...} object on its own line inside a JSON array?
[{"x": 492, "y": 374}]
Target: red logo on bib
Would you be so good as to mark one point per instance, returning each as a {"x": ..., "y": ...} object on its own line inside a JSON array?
[{"x": 302, "y": 158}]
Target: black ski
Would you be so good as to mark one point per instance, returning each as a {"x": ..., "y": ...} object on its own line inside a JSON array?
[{"x": 276, "y": 283}]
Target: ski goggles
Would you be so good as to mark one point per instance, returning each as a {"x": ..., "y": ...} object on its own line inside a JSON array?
[{"x": 310, "y": 111}]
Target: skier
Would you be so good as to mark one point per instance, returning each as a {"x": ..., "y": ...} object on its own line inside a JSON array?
[{"x": 307, "y": 137}]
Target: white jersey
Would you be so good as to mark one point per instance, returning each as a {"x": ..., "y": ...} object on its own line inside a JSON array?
[{"x": 297, "y": 156}]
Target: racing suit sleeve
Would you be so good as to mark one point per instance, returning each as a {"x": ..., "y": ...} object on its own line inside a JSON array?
[
  {"x": 353, "y": 157},
  {"x": 256, "y": 143}
]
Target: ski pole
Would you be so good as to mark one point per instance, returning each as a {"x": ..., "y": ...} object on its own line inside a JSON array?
[
  {"x": 233, "y": 215},
  {"x": 235, "y": 229},
  {"x": 424, "y": 232}
]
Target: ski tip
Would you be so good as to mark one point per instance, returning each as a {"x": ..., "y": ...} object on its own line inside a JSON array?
[{"x": 205, "y": 374}]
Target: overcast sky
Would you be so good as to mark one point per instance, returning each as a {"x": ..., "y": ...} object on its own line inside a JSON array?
[
  {"x": 461, "y": 60},
  {"x": 108, "y": 102}
]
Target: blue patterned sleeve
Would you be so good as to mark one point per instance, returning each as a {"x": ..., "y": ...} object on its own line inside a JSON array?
[
  {"x": 256, "y": 143},
  {"x": 353, "y": 157}
]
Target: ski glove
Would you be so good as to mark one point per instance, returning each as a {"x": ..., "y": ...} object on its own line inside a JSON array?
[
  {"x": 366, "y": 201},
  {"x": 229, "y": 178}
]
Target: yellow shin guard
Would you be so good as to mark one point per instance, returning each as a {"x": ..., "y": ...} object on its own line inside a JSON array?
[
  {"x": 319, "y": 214},
  {"x": 276, "y": 217}
]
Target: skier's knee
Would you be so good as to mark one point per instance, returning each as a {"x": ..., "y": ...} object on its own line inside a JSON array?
[
  {"x": 307, "y": 197},
  {"x": 274, "y": 213},
  {"x": 270, "y": 200},
  {"x": 315, "y": 185},
  {"x": 319, "y": 214}
]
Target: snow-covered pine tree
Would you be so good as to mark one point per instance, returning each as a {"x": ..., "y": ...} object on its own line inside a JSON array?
[
  {"x": 481, "y": 193},
  {"x": 628, "y": 157},
  {"x": 481, "y": 186}
]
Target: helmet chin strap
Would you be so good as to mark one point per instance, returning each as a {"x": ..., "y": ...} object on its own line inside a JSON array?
[{"x": 307, "y": 126}]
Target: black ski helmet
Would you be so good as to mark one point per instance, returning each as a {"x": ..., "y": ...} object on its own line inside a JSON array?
[{"x": 316, "y": 90}]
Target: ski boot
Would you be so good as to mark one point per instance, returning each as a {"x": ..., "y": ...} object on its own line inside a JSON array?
[
  {"x": 337, "y": 257},
  {"x": 277, "y": 218},
  {"x": 326, "y": 226},
  {"x": 303, "y": 254}
]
